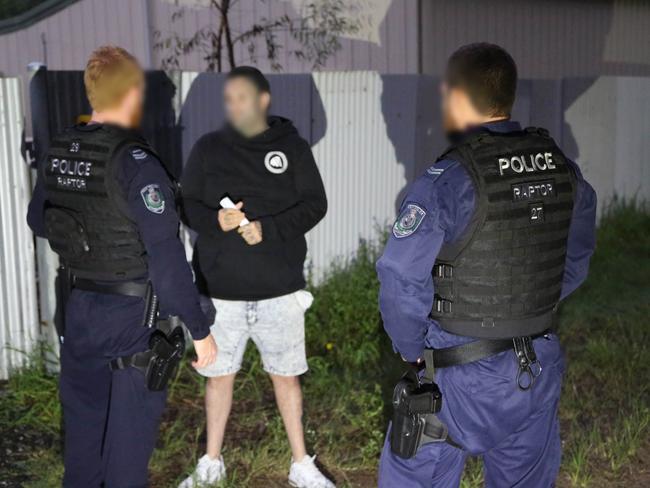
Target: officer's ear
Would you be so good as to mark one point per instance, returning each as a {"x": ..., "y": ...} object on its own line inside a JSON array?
[
  {"x": 461, "y": 107},
  {"x": 133, "y": 97},
  {"x": 265, "y": 100}
]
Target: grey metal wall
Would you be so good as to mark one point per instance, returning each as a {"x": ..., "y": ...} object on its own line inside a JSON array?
[
  {"x": 65, "y": 39},
  {"x": 548, "y": 39},
  {"x": 396, "y": 53},
  {"x": 19, "y": 325}
]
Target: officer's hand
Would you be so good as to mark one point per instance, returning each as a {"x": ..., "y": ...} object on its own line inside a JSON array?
[
  {"x": 229, "y": 218},
  {"x": 252, "y": 233},
  {"x": 206, "y": 352}
]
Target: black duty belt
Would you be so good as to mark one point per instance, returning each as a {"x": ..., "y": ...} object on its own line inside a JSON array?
[
  {"x": 127, "y": 288},
  {"x": 484, "y": 348}
]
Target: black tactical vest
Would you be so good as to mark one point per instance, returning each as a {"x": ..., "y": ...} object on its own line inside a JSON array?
[
  {"x": 503, "y": 278},
  {"x": 87, "y": 218}
]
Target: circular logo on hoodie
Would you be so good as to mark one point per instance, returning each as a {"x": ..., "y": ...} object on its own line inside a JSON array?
[{"x": 276, "y": 162}]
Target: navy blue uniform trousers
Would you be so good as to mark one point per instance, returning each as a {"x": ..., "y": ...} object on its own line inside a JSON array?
[
  {"x": 110, "y": 418},
  {"x": 516, "y": 432}
]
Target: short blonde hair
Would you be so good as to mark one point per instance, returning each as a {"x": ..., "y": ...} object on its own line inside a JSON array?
[{"x": 110, "y": 73}]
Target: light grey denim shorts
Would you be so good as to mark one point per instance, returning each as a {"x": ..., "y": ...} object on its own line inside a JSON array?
[{"x": 276, "y": 326}]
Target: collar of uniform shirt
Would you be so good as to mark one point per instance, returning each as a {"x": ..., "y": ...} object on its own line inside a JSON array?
[{"x": 502, "y": 126}]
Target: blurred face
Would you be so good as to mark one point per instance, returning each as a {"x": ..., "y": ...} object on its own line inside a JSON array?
[
  {"x": 246, "y": 106},
  {"x": 132, "y": 106},
  {"x": 458, "y": 113}
]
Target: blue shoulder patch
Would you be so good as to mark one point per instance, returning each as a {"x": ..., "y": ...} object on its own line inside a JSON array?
[
  {"x": 153, "y": 198},
  {"x": 408, "y": 221}
]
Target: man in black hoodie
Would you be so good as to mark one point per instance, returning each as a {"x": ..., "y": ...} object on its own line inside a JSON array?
[{"x": 249, "y": 258}]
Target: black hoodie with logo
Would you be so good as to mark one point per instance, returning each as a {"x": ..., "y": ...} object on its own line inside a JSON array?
[{"x": 276, "y": 177}]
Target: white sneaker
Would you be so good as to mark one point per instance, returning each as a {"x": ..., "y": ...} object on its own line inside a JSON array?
[
  {"x": 208, "y": 471},
  {"x": 305, "y": 474}
]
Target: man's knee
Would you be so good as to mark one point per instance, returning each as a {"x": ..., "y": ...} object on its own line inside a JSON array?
[
  {"x": 285, "y": 382},
  {"x": 220, "y": 382}
]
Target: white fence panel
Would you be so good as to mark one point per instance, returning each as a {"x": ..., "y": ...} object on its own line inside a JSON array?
[
  {"x": 358, "y": 163},
  {"x": 19, "y": 326},
  {"x": 611, "y": 125}
]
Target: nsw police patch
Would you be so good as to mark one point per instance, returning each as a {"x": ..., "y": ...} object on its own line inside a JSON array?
[
  {"x": 153, "y": 198},
  {"x": 408, "y": 221}
]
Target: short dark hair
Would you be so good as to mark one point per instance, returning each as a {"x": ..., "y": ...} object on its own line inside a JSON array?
[
  {"x": 253, "y": 75},
  {"x": 488, "y": 74}
]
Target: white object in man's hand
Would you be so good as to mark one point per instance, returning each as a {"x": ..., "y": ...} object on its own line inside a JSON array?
[
  {"x": 231, "y": 218},
  {"x": 228, "y": 204},
  {"x": 206, "y": 352}
]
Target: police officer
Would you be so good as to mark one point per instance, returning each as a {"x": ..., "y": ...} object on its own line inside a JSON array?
[
  {"x": 488, "y": 241},
  {"x": 107, "y": 206}
]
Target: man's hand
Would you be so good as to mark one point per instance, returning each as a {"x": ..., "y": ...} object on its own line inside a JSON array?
[
  {"x": 252, "y": 233},
  {"x": 206, "y": 352},
  {"x": 229, "y": 218}
]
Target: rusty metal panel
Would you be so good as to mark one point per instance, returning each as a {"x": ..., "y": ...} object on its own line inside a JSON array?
[{"x": 19, "y": 326}]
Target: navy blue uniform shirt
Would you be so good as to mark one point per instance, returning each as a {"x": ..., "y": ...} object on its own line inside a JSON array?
[
  {"x": 446, "y": 194},
  {"x": 169, "y": 271}
]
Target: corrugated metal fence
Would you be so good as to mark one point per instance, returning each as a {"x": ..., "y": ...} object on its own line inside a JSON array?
[
  {"x": 19, "y": 326},
  {"x": 371, "y": 135}
]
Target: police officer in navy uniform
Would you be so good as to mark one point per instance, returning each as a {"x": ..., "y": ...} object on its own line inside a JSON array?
[
  {"x": 488, "y": 241},
  {"x": 106, "y": 204}
]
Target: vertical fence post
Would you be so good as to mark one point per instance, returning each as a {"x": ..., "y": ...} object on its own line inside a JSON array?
[
  {"x": 19, "y": 326},
  {"x": 46, "y": 260}
]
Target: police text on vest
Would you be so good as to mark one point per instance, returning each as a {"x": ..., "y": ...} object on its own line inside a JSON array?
[
  {"x": 71, "y": 174},
  {"x": 533, "y": 190},
  {"x": 530, "y": 164}
]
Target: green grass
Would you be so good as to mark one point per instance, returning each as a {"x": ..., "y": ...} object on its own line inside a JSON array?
[
  {"x": 605, "y": 411},
  {"x": 605, "y": 328}
]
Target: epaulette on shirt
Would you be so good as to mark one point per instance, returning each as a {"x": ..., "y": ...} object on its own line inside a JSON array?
[
  {"x": 138, "y": 153},
  {"x": 437, "y": 169}
]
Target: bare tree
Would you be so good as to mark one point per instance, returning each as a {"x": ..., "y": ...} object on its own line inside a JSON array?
[{"x": 315, "y": 33}]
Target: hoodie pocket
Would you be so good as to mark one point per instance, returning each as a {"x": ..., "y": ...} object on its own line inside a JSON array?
[{"x": 254, "y": 272}]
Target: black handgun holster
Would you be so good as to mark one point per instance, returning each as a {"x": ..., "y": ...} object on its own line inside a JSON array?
[
  {"x": 416, "y": 401},
  {"x": 160, "y": 362}
]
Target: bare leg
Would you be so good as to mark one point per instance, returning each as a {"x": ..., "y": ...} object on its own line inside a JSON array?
[
  {"x": 288, "y": 396},
  {"x": 218, "y": 400}
]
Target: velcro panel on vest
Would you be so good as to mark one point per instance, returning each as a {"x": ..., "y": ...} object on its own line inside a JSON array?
[{"x": 511, "y": 262}]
